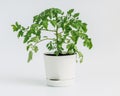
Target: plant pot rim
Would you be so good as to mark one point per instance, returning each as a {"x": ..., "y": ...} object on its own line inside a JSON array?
[{"x": 52, "y": 54}]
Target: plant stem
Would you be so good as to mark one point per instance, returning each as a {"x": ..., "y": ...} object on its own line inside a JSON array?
[
  {"x": 48, "y": 30},
  {"x": 44, "y": 40},
  {"x": 57, "y": 38}
]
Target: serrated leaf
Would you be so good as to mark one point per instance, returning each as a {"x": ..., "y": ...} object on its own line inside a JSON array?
[
  {"x": 30, "y": 55},
  {"x": 18, "y": 25},
  {"x": 23, "y": 28},
  {"x": 53, "y": 22},
  {"x": 87, "y": 42},
  {"x": 58, "y": 11},
  {"x": 84, "y": 27},
  {"x": 28, "y": 47},
  {"x": 34, "y": 39},
  {"x": 74, "y": 36},
  {"x": 83, "y": 36},
  {"x": 39, "y": 34},
  {"x": 20, "y": 34},
  {"x": 26, "y": 39},
  {"x": 81, "y": 59},
  {"x": 56, "y": 53},
  {"x": 90, "y": 44},
  {"x": 36, "y": 19},
  {"x": 73, "y": 24},
  {"x": 70, "y": 11},
  {"x": 49, "y": 45},
  {"x": 35, "y": 48},
  {"x": 14, "y": 28},
  {"x": 80, "y": 56},
  {"x": 76, "y": 15},
  {"x": 45, "y": 24}
]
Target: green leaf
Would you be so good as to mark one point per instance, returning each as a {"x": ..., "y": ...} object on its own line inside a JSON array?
[
  {"x": 28, "y": 47},
  {"x": 75, "y": 36},
  {"x": 67, "y": 29},
  {"x": 14, "y": 28},
  {"x": 36, "y": 19},
  {"x": 76, "y": 15},
  {"x": 83, "y": 36},
  {"x": 70, "y": 11},
  {"x": 84, "y": 27},
  {"x": 70, "y": 48},
  {"x": 45, "y": 24},
  {"x": 56, "y": 53},
  {"x": 34, "y": 39},
  {"x": 50, "y": 46},
  {"x": 74, "y": 25},
  {"x": 26, "y": 39},
  {"x": 38, "y": 34},
  {"x": 17, "y": 25},
  {"x": 53, "y": 22},
  {"x": 30, "y": 55},
  {"x": 88, "y": 43},
  {"x": 80, "y": 55},
  {"x": 23, "y": 28},
  {"x": 20, "y": 34},
  {"x": 35, "y": 48},
  {"x": 58, "y": 11}
]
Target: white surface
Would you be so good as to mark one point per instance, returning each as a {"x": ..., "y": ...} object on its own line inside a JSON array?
[{"x": 99, "y": 75}]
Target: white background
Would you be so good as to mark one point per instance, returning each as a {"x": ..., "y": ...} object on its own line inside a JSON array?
[{"x": 99, "y": 75}]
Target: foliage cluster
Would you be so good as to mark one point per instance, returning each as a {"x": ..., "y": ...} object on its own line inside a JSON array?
[{"x": 66, "y": 27}]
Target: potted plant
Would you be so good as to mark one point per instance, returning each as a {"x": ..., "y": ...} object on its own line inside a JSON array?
[{"x": 67, "y": 29}]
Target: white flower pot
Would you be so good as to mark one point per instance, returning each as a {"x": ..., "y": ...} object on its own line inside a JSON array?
[{"x": 60, "y": 70}]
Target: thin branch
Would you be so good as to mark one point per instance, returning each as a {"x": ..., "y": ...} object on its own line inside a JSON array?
[
  {"x": 60, "y": 32},
  {"x": 43, "y": 40},
  {"x": 48, "y": 30},
  {"x": 46, "y": 39}
]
